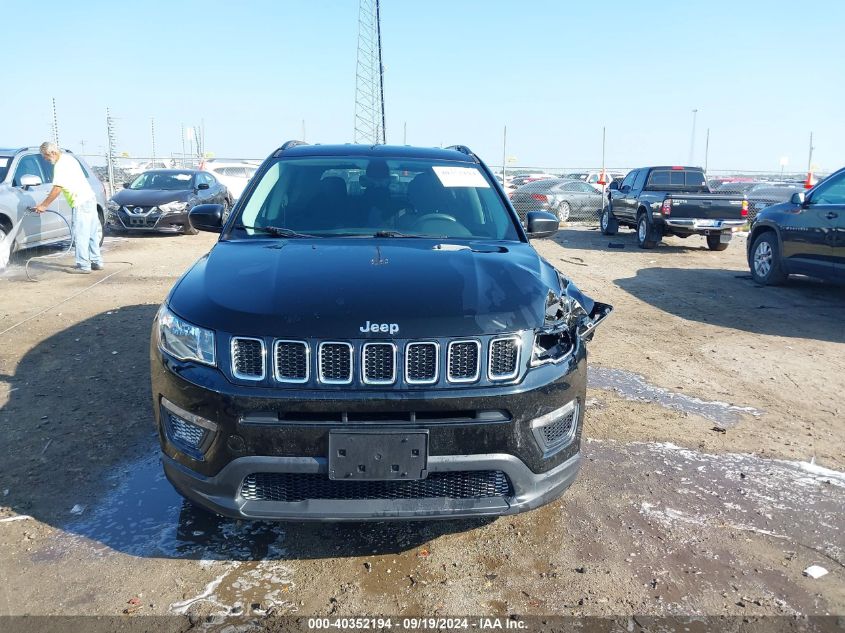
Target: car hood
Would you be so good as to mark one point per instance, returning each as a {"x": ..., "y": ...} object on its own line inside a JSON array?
[
  {"x": 331, "y": 288},
  {"x": 149, "y": 197}
]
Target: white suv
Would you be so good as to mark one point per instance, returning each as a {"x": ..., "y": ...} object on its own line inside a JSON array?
[{"x": 235, "y": 175}]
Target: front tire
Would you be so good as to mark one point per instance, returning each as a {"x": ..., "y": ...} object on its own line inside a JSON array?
[
  {"x": 766, "y": 261},
  {"x": 646, "y": 237},
  {"x": 714, "y": 243},
  {"x": 608, "y": 223}
]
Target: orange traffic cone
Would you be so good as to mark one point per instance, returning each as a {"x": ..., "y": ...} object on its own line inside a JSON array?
[
  {"x": 810, "y": 182},
  {"x": 602, "y": 179}
]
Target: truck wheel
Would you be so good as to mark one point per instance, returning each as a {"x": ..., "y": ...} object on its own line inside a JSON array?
[
  {"x": 645, "y": 232},
  {"x": 608, "y": 223},
  {"x": 766, "y": 265},
  {"x": 563, "y": 211},
  {"x": 714, "y": 243}
]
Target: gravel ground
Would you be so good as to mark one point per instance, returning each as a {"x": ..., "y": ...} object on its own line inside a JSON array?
[{"x": 713, "y": 471}]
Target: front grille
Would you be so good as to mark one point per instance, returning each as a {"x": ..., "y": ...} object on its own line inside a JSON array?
[
  {"x": 335, "y": 363},
  {"x": 248, "y": 358},
  {"x": 421, "y": 363},
  {"x": 292, "y": 487},
  {"x": 463, "y": 361},
  {"x": 503, "y": 363},
  {"x": 291, "y": 358},
  {"x": 379, "y": 364}
]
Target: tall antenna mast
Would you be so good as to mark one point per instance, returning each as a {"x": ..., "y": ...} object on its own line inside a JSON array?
[
  {"x": 369, "y": 76},
  {"x": 55, "y": 123}
]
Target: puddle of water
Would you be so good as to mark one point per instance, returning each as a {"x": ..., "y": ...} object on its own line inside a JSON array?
[
  {"x": 634, "y": 387},
  {"x": 691, "y": 491}
]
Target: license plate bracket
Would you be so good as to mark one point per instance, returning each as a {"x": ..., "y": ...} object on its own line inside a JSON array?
[{"x": 378, "y": 456}]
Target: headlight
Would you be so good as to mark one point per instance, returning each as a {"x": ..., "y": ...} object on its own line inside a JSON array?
[
  {"x": 173, "y": 207},
  {"x": 184, "y": 340},
  {"x": 112, "y": 205}
]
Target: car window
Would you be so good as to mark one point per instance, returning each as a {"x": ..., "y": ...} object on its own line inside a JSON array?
[
  {"x": 831, "y": 191},
  {"x": 209, "y": 179},
  {"x": 629, "y": 179},
  {"x": 31, "y": 165},
  {"x": 5, "y": 162},
  {"x": 163, "y": 181},
  {"x": 358, "y": 196},
  {"x": 639, "y": 181},
  {"x": 584, "y": 188}
]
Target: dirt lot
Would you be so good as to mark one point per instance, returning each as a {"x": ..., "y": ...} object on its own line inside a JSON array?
[{"x": 712, "y": 479}]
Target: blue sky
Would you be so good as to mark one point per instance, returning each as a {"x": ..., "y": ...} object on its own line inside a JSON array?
[{"x": 763, "y": 75}]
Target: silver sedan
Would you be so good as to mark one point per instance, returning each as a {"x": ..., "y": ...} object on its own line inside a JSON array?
[{"x": 568, "y": 199}]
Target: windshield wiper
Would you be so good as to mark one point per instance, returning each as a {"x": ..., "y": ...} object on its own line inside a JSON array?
[
  {"x": 400, "y": 234},
  {"x": 275, "y": 231}
]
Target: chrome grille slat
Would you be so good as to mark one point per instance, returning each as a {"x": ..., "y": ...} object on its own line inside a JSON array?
[
  {"x": 292, "y": 360},
  {"x": 334, "y": 363},
  {"x": 248, "y": 358},
  {"x": 378, "y": 365},
  {"x": 464, "y": 361},
  {"x": 422, "y": 363},
  {"x": 503, "y": 358}
]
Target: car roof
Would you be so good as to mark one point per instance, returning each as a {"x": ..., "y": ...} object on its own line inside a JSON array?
[{"x": 383, "y": 151}]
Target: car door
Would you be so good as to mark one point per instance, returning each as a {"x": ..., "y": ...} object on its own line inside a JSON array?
[
  {"x": 46, "y": 227},
  {"x": 812, "y": 236},
  {"x": 623, "y": 202},
  {"x": 218, "y": 195},
  {"x": 589, "y": 201}
]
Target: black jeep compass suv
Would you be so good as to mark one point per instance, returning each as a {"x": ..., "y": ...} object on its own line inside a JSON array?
[{"x": 372, "y": 337}]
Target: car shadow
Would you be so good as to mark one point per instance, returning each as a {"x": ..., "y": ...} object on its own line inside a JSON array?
[
  {"x": 80, "y": 453},
  {"x": 803, "y": 308}
]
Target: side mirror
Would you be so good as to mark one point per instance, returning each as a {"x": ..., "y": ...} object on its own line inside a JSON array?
[
  {"x": 126, "y": 185},
  {"x": 30, "y": 180},
  {"x": 207, "y": 217},
  {"x": 541, "y": 224},
  {"x": 798, "y": 198},
  {"x": 202, "y": 185},
  {"x": 614, "y": 186},
  {"x": 624, "y": 188}
]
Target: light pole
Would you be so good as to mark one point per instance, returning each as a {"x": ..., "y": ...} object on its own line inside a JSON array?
[{"x": 692, "y": 137}]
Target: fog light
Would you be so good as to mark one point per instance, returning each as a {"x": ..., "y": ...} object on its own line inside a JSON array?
[
  {"x": 556, "y": 429},
  {"x": 190, "y": 433}
]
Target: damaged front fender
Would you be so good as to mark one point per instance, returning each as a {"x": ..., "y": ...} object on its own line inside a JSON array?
[{"x": 570, "y": 316}]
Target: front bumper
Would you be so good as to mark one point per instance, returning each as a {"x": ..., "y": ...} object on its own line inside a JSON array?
[
  {"x": 152, "y": 222},
  {"x": 253, "y": 436}
]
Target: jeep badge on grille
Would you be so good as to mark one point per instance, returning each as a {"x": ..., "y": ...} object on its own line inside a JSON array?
[{"x": 391, "y": 328}]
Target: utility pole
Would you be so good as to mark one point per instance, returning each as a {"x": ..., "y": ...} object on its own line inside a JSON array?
[
  {"x": 504, "y": 154},
  {"x": 810, "y": 159},
  {"x": 111, "y": 149},
  {"x": 706, "y": 150},
  {"x": 55, "y": 123},
  {"x": 603, "y": 176},
  {"x": 183, "y": 144},
  {"x": 692, "y": 137},
  {"x": 303, "y": 130},
  {"x": 405, "y": 133},
  {"x": 369, "y": 125},
  {"x": 153, "y": 134}
]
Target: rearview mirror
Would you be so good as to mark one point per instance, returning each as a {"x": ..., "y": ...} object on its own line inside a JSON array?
[
  {"x": 202, "y": 185},
  {"x": 614, "y": 186},
  {"x": 207, "y": 217},
  {"x": 126, "y": 185},
  {"x": 798, "y": 198},
  {"x": 541, "y": 224},
  {"x": 30, "y": 180}
]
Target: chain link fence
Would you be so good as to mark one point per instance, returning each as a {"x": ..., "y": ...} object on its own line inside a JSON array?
[{"x": 574, "y": 194}]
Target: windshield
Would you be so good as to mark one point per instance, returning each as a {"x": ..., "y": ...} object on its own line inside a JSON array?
[
  {"x": 351, "y": 196},
  {"x": 5, "y": 161},
  {"x": 163, "y": 181}
]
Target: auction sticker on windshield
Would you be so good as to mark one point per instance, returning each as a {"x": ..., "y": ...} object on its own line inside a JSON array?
[{"x": 460, "y": 176}]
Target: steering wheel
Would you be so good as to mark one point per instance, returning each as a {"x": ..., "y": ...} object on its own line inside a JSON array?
[{"x": 435, "y": 216}]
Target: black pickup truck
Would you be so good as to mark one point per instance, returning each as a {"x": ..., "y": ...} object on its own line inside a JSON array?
[{"x": 658, "y": 201}]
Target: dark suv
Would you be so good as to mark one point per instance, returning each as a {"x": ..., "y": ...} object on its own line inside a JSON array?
[
  {"x": 372, "y": 337},
  {"x": 805, "y": 235}
]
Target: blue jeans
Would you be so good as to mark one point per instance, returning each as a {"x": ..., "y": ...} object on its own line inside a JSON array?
[{"x": 86, "y": 235}]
